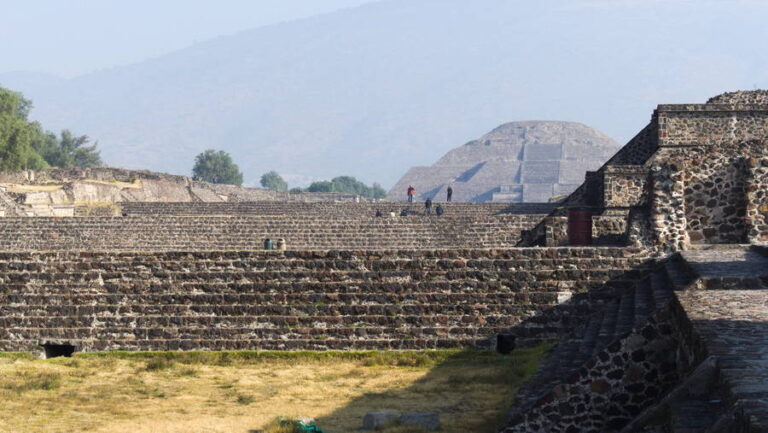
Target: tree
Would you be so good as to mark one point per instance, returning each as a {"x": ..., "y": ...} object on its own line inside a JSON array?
[
  {"x": 26, "y": 145},
  {"x": 70, "y": 151},
  {"x": 320, "y": 186},
  {"x": 16, "y": 134},
  {"x": 272, "y": 180},
  {"x": 216, "y": 167},
  {"x": 348, "y": 185}
]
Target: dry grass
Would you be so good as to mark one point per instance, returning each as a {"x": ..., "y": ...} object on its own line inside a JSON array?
[{"x": 243, "y": 391}]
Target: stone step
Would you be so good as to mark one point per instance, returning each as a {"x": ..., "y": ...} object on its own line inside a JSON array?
[
  {"x": 661, "y": 289},
  {"x": 644, "y": 302},
  {"x": 264, "y": 310},
  {"x": 625, "y": 320},
  {"x": 546, "y": 298},
  {"x": 241, "y": 344},
  {"x": 607, "y": 326}
]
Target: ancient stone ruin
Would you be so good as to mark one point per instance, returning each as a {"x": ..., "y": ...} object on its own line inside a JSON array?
[
  {"x": 658, "y": 326},
  {"x": 529, "y": 161}
]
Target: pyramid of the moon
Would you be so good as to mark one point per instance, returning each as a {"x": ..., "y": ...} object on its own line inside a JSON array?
[{"x": 530, "y": 161}]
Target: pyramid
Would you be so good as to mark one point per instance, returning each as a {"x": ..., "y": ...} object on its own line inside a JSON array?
[{"x": 529, "y": 161}]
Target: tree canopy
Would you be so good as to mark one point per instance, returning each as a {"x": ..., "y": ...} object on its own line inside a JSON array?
[
  {"x": 272, "y": 180},
  {"x": 26, "y": 145},
  {"x": 348, "y": 185},
  {"x": 216, "y": 167}
]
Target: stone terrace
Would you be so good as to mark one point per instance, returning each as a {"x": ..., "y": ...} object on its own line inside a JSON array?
[
  {"x": 328, "y": 210},
  {"x": 174, "y": 233},
  {"x": 302, "y": 300},
  {"x": 693, "y": 362},
  {"x": 729, "y": 311}
]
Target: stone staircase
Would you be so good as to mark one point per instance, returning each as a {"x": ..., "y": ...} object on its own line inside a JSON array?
[
  {"x": 683, "y": 351},
  {"x": 169, "y": 233},
  {"x": 299, "y": 300},
  {"x": 327, "y": 210},
  {"x": 9, "y": 207},
  {"x": 623, "y": 309}
]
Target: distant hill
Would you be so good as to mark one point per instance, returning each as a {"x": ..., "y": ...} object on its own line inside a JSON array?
[
  {"x": 517, "y": 162},
  {"x": 373, "y": 90}
]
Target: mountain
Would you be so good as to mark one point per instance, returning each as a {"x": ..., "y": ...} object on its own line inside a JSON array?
[
  {"x": 518, "y": 162},
  {"x": 373, "y": 90}
]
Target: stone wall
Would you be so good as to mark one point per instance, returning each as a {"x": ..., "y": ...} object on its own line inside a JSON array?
[
  {"x": 172, "y": 233},
  {"x": 757, "y": 200},
  {"x": 625, "y": 186},
  {"x": 330, "y": 210},
  {"x": 695, "y": 171},
  {"x": 710, "y": 124},
  {"x": 301, "y": 300},
  {"x": 715, "y": 198},
  {"x": 622, "y": 380}
]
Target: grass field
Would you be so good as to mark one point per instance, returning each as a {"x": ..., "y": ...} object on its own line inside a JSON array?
[{"x": 238, "y": 392}]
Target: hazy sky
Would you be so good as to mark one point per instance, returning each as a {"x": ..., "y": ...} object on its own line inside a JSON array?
[{"x": 72, "y": 37}]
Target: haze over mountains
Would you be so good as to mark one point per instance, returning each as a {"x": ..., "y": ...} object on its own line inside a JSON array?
[{"x": 374, "y": 90}]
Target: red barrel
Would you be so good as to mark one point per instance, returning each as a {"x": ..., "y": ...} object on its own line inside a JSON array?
[{"x": 580, "y": 226}]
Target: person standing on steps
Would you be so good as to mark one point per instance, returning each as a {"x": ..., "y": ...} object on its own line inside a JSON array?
[
  {"x": 449, "y": 193},
  {"x": 428, "y": 207},
  {"x": 439, "y": 210},
  {"x": 411, "y": 191}
]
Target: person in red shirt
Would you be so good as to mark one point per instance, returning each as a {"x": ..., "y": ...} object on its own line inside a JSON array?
[{"x": 411, "y": 192}]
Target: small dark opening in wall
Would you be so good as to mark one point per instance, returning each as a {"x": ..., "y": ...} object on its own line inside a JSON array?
[
  {"x": 56, "y": 350},
  {"x": 505, "y": 343}
]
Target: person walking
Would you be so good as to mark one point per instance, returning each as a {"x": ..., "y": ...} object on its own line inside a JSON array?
[
  {"x": 411, "y": 191},
  {"x": 428, "y": 207},
  {"x": 449, "y": 193}
]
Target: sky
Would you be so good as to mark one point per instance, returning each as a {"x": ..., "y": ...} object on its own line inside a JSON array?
[
  {"x": 67, "y": 38},
  {"x": 399, "y": 82}
]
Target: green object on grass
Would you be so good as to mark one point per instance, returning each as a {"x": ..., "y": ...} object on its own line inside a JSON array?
[{"x": 301, "y": 426}]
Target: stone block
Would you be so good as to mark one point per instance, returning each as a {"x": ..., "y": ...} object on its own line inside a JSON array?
[
  {"x": 425, "y": 420},
  {"x": 379, "y": 420}
]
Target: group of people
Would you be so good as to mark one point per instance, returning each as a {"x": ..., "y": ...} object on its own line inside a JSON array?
[
  {"x": 412, "y": 191},
  {"x": 439, "y": 210},
  {"x": 428, "y": 203}
]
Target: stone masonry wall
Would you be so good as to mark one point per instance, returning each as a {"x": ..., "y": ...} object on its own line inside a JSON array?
[
  {"x": 715, "y": 199},
  {"x": 626, "y": 377},
  {"x": 711, "y": 125},
  {"x": 327, "y": 210},
  {"x": 757, "y": 200},
  {"x": 248, "y": 232},
  {"x": 315, "y": 300},
  {"x": 625, "y": 186}
]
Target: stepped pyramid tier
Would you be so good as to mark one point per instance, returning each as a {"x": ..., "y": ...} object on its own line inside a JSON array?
[
  {"x": 529, "y": 161},
  {"x": 695, "y": 175}
]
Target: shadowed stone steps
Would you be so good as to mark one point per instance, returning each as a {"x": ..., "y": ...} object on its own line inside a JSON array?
[
  {"x": 628, "y": 309},
  {"x": 438, "y": 298}
]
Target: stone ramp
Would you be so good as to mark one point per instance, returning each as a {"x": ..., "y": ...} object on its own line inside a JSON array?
[
  {"x": 701, "y": 350},
  {"x": 728, "y": 309}
]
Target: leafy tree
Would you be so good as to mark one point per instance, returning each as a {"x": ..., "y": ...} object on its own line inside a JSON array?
[
  {"x": 69, "y": 151},
  {"x": 348, "y": 185},
  {"x": 377, "y": 191},
  {"x": 25, "y": 145},
  {"x": 216, "y": 167},
  {"x": 320, "y": 186},
  {"x": 296, "y": 190},
  {"x": 17, "y": 134},
  {"x": 272, "y": 180}
]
